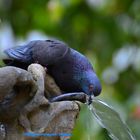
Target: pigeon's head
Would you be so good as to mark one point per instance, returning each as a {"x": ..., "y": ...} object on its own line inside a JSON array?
[{"x": 90, "y": 83}]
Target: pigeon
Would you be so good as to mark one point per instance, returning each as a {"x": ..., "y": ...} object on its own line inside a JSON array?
[{"x": 71, "y": 70}]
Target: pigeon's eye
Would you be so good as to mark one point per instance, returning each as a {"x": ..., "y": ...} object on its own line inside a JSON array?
[{"x": 91, "y": 87}]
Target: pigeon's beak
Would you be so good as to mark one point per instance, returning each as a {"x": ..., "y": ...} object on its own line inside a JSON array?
[{"x": 90, "y": 98}]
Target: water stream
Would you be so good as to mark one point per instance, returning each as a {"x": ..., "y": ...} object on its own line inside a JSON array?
[{"x": 109, "y": 119}]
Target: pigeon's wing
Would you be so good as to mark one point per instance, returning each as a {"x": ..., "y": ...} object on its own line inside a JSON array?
[
  {"x": 45, "y": 52},
  {"x": 49, "y": 52}
]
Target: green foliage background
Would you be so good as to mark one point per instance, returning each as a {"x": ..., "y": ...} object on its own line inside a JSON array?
[{"x": 99, "y": 29}]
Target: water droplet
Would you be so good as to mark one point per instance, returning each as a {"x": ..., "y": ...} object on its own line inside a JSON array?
[{"x": 109, "y": 119}]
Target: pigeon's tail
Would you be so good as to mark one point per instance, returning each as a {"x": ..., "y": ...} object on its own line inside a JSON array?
[
  {"x": 21, "y": 53},
  {"x": 15, "y": 63},
  {"x": 19, "y": 57}
]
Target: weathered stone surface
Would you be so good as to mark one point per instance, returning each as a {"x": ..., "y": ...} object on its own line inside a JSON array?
[
  {"x": 15, "y": 87},
  {"x": 20, "y": 93}
]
